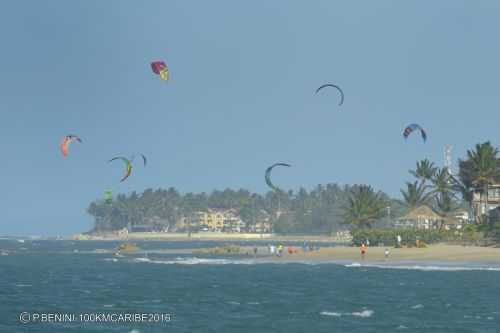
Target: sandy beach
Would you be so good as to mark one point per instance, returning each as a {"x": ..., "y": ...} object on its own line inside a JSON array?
[{"x": 436, "y": 253}]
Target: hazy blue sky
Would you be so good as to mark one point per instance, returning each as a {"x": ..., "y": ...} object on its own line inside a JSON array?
[{"x": 241, "y": 96}]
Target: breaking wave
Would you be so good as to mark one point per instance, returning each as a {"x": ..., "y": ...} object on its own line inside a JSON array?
[
  {"x": 444, "y": 268},
  {"x": 362, "y": 314},
  {"x": 194, "y": 261}
]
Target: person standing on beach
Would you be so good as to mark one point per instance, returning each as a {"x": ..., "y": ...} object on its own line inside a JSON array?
[
  {"x": 363, "y": 251},
  {"x": 386, "y": 254},
  {"x": 255, "y": 249}
]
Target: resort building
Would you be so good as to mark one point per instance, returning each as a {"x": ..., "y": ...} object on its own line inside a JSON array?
[
  {"x": 478, "y": 201},
  {"x": 233, "y": 224},
  {"x": 422, "y": 217},
  {"x": 211, "y": 220},
  {"x": 260, "y": 227},
  {"x": 457, "y": 220},
  {"x": 218, "y": 220},
  {"x": 462, "y": 216},
  {"x": 453, "y": 223},
  {"x": 495, "y": 215}
]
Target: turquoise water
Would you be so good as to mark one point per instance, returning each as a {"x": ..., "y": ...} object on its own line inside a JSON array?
[{"x": 236, "y": 294}]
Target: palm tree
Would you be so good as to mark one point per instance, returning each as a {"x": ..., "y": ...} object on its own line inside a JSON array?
[
  {"x": 479, "y": 170},
  {"x": 425, "y": 170},
  {"x": 364, "y": 206},
  {"x": 446, "y": 205},
  {"x": 415, "y": 194},
  {"x": 442, "y": 183}
]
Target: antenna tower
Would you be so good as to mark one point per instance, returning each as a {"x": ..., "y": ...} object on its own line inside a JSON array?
[{"x": 448, "y": 164}]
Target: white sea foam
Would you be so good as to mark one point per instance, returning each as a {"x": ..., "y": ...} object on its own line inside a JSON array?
[
  {"x": 401, "y": 327},
  {"x": 110, "y": 259},
  {"x": 142, "y": 259},
  {"x": 362, "y": 314},
  {"x": 430, "y": 267},
  {"x": 21, "y": 285},
  {"x": 195, "y": 261},
  {"x": 135, "y": 331},
  {"x": 418, "y": 306},
  {"x": 354, "y": 264},
  {"x": 473, "y": 317},
  {"x": 331, "y": 314}
]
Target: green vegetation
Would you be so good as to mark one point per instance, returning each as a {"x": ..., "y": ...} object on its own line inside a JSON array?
[
  {"x": 364, "y": 207},
  {"x": 446, "y": 193},
  {"x": 319, "y": 211},
  {"x": 326, "y": 208},
  {"x": 480, "y": 170},
  {"x": 409, "y": 237},
  {"x": 434, "y": 187}
]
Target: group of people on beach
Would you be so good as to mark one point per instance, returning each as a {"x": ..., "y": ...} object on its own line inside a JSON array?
[
  {"x": 364, "y": 248},
  {"x": 280, "y": 250},
  {"x": 276, "y": 250}
]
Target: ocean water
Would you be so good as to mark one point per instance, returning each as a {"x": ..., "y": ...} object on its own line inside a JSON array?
[{"x": 182, "y": 293}]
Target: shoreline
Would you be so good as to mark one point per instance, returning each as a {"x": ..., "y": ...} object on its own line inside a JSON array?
[
  {"x": 375, "y": 255},
  {"x": 438, "y": 254}
]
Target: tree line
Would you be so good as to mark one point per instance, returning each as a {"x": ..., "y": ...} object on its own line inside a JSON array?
[
  {"x": 318, "y": 211},
  {"x": 322, "y": 210}
]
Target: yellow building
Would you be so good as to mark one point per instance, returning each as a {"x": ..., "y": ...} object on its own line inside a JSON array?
[{"x": 218, "y": 220}]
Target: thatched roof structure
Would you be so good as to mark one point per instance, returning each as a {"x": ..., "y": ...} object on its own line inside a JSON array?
[{"x": 421, "y": 213}]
